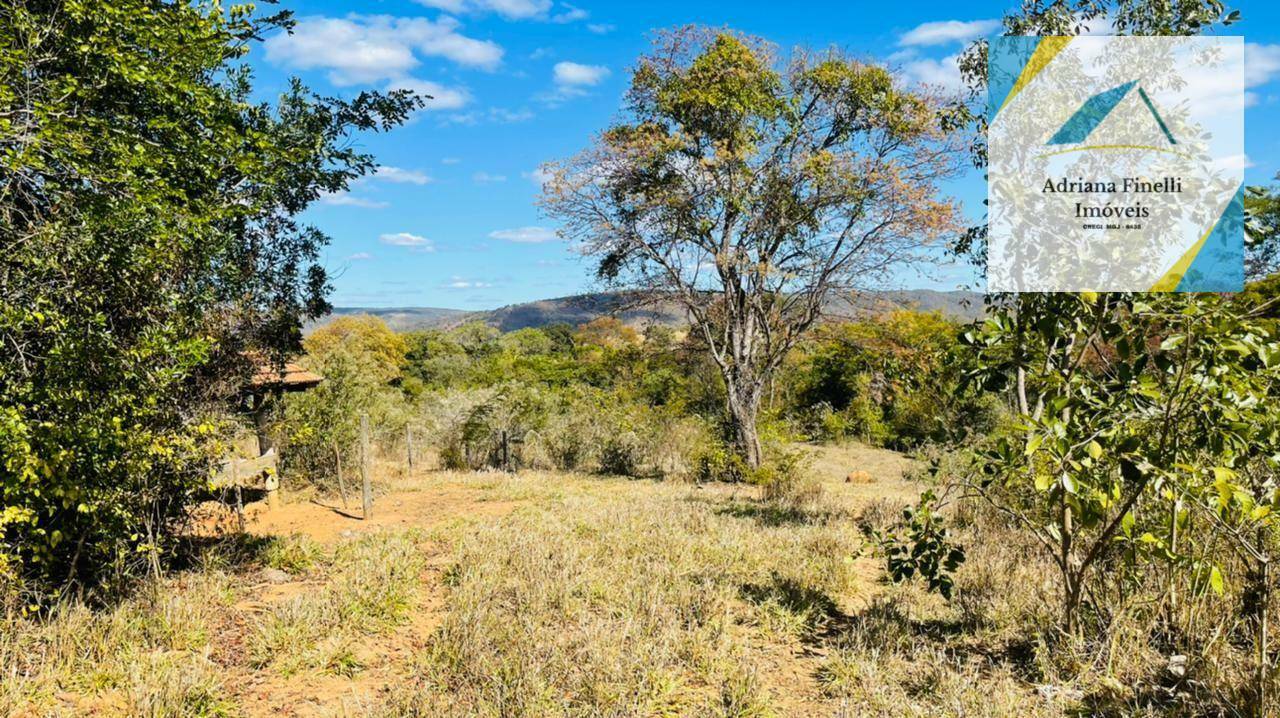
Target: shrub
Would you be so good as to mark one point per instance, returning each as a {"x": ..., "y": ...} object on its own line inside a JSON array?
[
  {"x": 622, "y": 454},
  {"x": 784, "y": 479},
  {"x": 922, "y": 547}
]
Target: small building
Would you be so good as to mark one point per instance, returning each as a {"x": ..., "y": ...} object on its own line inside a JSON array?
[{"x": 270, "y": 381}]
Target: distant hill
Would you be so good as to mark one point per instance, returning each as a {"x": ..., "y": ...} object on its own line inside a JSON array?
[
  {"x": 400, "y": 319},
  {"x": 582, "y": 308}
]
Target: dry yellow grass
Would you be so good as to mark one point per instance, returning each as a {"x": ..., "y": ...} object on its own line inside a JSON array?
[{"x": 535, "y": 594}]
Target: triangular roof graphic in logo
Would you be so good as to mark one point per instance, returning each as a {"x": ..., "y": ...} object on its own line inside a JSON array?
[{"x": 1091, "y": 114}]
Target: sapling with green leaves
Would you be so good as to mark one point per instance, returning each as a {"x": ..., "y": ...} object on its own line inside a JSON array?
[
  {"x": 922, "y": 547},
  {"x": 1125, "y": 402}
]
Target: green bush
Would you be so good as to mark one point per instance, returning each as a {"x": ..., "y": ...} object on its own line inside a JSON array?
[{"x": 149, "y": 234}]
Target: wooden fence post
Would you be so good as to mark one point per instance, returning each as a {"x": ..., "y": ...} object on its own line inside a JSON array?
[
  {"x": 272, "y": 485},
  {"x": 342, "y": 484},
  {"x": 408, "y": 447},
  {"x": 235, "y": 484},
  {"x": 366, "y": 493}
]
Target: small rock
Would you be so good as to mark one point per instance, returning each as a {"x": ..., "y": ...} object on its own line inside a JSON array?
[
  {"x": 347, "y": 533},
  {"x": 1177, "y": 666},
  {"x": 275, "y": 575},
  {"x": 857, "y": 477},
  {"x": 1051, "y": 692}
]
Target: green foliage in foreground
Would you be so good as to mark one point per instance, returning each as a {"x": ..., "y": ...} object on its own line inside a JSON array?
[
  {"x": 148, "y": 238},
  {"x": 924, "y": 548},
  {"x": 1146, "y": 441}
]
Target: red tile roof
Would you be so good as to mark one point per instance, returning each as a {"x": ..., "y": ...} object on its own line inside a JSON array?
[{"x": 290, "y": 378}]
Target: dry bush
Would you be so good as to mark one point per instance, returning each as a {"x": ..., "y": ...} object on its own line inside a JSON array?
[{"x": 577, "y": 430}]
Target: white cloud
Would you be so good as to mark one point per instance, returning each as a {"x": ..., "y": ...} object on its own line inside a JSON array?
[
  {"x": 510, "y": 9},
  {"x": 346, "y": 199},
  {"x": 947, "y": 31},
  {"x": 486, "y": 178},
  {"x": 359, "y": 257},
  {"x": 450, "y": 160},
  {"x": 442, "y": 98},
  {"x": 601, "y": 28},
  {"x": 1261, "y": 63},
  {"x": 572, "y": 74},
  {"x": 387, "y": 173},
  {"x": 368, "y": 48},
  {"x": 498, "y": 115},
  {"x": 944, "y": 73},
  {"x": 457, "y": 282},
  {"x": 1232, "y": 163},
  {"x": 405, "y": 239},
  {"x": 502, "y": 114},
  {"x": 540, "y": 176},
  {"x": 1101, "y": 25},
  {"x": 572, "y": 80},
  {"x": 526, "y": 235},
  {"x": 570, "y": 14}
]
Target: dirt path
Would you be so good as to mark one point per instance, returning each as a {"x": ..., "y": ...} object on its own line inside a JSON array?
[{"x": 327, "y": 520}]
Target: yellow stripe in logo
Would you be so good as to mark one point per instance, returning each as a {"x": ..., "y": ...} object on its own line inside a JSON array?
[
  {"x": 1169, "y": 282},
  {"x": 1047, "y": 49}
]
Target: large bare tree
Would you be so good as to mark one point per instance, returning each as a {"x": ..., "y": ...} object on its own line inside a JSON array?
[{"x": 751, "y": 188}]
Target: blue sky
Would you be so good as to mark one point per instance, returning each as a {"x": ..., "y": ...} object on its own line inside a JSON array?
[{"x": 451, "y": 221}]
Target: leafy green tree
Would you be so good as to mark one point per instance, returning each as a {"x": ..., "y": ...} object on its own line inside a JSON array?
[
  {"x": 382, "y": 350},
  {"x": 1262, "y": 231},
  {"x": 1135, "y": 402},
  {"x": 749, "y": 189},
  {"x": 148, "y": 240},
  {"x": 319, "y": 429}
]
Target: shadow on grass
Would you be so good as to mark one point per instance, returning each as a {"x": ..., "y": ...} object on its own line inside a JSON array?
[
  {"x": 231, "y": 551},
  {"x": 791, "y": 595},
  {"x": 772, "y": 514},
  {"x": 808, "y": 611},
  {"x": 885, "y": 626}
]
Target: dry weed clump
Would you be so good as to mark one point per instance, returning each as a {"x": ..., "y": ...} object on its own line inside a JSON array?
[{"x": 370, "y": 590}]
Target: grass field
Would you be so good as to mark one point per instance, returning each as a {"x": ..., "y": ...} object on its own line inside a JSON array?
[{"x": 535, "y": 594}]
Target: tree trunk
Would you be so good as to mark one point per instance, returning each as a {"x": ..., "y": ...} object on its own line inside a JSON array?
[
  {"x": 744, "y": 408},
  {"x": 1264, "y": 656},
  {"x": 1072, "y": 592}
]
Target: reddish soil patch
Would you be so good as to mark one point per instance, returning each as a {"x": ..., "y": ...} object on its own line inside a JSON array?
[{"x": 326, "y": 520}]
